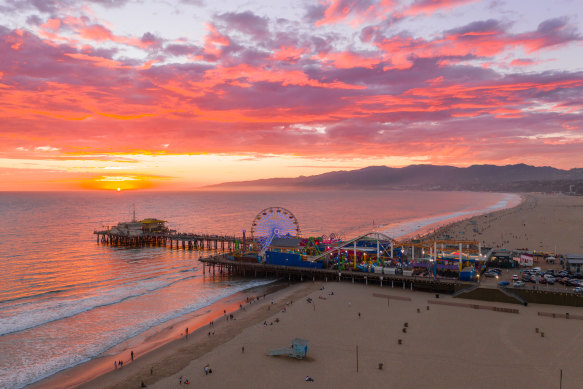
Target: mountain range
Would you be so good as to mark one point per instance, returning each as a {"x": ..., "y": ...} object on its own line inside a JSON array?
[{"x": 509, "y": 178}]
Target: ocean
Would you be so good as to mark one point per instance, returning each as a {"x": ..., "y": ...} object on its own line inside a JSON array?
[{"x": 66, "y": 299}]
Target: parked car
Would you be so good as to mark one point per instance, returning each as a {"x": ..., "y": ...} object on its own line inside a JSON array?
[
  {"x": 551, "y": 280},
  {"x": 515, "y": 277},
  {"x": 503, "y": 283},
  {"x": 491, "y": 274},
  {"x": 518, "y": 284},
  {"x": 578, "y": 290},
  {"x": 495, "y": 271}
]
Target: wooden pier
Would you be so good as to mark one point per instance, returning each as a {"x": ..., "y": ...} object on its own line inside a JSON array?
[
  {"x": 223, "y": 265},
  {"x": 173, "y": 240}
]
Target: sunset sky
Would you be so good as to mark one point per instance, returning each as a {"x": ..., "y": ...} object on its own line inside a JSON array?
[{"x": 173, "y": 95}]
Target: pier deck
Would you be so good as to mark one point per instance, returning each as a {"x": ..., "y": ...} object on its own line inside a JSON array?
[
  {"x": 174, "y": 240},
  {"x": 250, "y": 269}
]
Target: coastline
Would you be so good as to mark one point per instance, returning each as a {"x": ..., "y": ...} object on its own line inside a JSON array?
[
  {"x": 171, "y": 357},
  {"x": 153, "y": 341},
  {"x": 421, "y": 227},
  {"x": 493, "y": 340},
  {"x": 549, "y": 223}
]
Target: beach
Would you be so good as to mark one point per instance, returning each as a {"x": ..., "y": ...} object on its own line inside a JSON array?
[
  {"x": 444, "y": 346},
  {"x": 551, "y": 223},
  {"x": 170, "y": 358},
  {"x": 86, "y": 303}
]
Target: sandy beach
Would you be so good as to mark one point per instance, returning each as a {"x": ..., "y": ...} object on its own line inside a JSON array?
[
  {"x": 444, "y": 346},
  {"x": 542, "y": 222}
]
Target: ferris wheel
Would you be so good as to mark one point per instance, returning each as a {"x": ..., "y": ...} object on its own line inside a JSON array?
[{"x": 273, "y": 222}]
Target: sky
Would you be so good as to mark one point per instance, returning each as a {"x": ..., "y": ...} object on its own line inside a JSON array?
[{"x": 175, "y": 95}]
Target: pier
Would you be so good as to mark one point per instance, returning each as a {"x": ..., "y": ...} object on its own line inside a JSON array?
[
  {"x": 222, "y": 264},
  {"x": 173, "y": 240}
]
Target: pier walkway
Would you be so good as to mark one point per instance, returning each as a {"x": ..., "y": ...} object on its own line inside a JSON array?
[
  {"x": 223, "y": 264},
  {"x": 174, "y": 240}
]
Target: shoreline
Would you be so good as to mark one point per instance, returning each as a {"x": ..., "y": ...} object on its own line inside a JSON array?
[
  {"x": 101, "y": 380},
  {"x": 540, "y": 222},
  {"x": 437, "y": 229},
  {"x": 425, "y": 226},
  {"x": 172, "y": 357},
  {"x": 152, "y": 340},
  {"x": 164, "y": 357}
]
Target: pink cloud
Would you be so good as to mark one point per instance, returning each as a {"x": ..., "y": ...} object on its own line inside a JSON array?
[
  {"x": 278, "y": 88},
  {"x": 288, "y": 54},
  {"x": 357, "y": 11},
  {"x": 431, "y": 6}
]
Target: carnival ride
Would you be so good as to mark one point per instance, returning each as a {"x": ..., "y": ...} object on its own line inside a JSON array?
[
  {"x": 276, "y": 235},
  {"x": 273, "y": 222}
]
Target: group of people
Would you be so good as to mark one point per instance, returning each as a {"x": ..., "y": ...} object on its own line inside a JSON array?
[{"x": 119, "y": 363}]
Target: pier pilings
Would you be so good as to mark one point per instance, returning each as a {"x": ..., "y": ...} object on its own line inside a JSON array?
[{"x": 225, "y": 243}]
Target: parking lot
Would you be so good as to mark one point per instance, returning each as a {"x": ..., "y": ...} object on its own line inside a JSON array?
[{"x": 561, "y": 281}]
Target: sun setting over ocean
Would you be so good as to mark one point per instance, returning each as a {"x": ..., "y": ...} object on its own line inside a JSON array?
[{"x": 270, "y": 194}]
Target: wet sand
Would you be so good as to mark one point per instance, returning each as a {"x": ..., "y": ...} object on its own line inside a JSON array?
[{"x": 153, "y": 346}]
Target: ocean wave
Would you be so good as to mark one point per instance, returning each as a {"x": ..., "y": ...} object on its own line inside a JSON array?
[
  {"x": 416, "y": 225},
  {"x": 30, "y": 315},
  {"x": 79, "y": 353}
]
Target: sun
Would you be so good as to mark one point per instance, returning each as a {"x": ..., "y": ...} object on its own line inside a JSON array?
[{"x": 118, "y": 189}]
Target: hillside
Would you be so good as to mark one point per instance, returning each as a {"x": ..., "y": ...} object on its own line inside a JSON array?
[{"x": 509, "y": 178}]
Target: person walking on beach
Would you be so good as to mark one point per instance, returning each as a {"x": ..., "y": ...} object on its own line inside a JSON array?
[
  {"x": 132, "y": 355},
  {"x": 242, "y": 349},
  {"x": 186, "y": 331},
  {"x": 115, "y": 364}
]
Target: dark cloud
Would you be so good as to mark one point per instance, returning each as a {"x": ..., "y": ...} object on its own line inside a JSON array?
[
  {"x": 314, "y": 13},
  {"x": 34, "y": 20},
  {"x": 152, "y": 40},
  {"x": 552, "y": 32},
  {"x": 178, "y": 50},
  {"x": 483, "y": 26},
  {"x": 246, "y": 22},
  {"x": 53, "y": 6}
]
